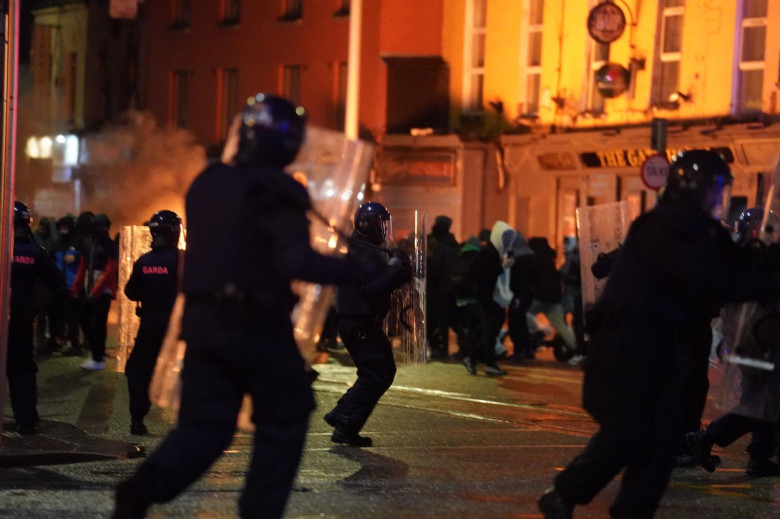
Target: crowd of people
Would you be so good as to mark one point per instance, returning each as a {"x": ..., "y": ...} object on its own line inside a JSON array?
[
  {"x": 72, "y": 320},
  {"x": 649, "y": 332},
  {"x": 497, "y": 285},
  {"x": 63, "y": 279}
]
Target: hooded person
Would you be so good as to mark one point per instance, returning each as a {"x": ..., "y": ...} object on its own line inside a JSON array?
[
  {"x": 67, "y": 252},
  {"x": 493, "y": 294},
  {"x": 65, "y": 257},
  {"x": 45, "y": 235},
  {"x": 464, "y": 282},
  {"x": 548, "y": 292},
  {"x": 442, "y": 252},
  {"x": 521, "y": 284},
  {"x": 96, "y": 282}
]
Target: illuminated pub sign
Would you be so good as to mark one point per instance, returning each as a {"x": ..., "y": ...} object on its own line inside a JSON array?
[
  {"x": 419, "y": 169},
  {"x": 635, "y": 157}
]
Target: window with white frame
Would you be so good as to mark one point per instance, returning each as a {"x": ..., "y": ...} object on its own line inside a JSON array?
[
  {"x": 751, "y": 58},
  {"x": 476, "y": 31},
  {"x": 227, "y": 101},
  {"x": 291, "y": 83},
  {"x": 669, "y": 51},
  {"x": 533, "y": 57}
]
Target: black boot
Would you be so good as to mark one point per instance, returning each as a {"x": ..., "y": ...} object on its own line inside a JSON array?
[
  {"x": 138, "y": 428},
  {"x": 701, "y": 444},
  {"x": 353, "y": 440},
  {"x": 554, "y": 506}
]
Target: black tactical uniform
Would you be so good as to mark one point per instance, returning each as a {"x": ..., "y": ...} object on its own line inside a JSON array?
[
  {"x": 677, "y": 259},
  {"x": 237, "y": 320},
  {"x": 30, "y": 264},
  {"x": 750, "y": 416},
  {"x": 361, "y": 307},
  {"x": 154, "y": 284}
]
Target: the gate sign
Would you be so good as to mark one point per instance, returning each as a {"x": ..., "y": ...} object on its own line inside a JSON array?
[{"x": 655, "y": 169}]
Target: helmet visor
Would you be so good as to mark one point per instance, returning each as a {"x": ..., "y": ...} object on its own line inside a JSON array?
[
  {"x": 718, "y": 199},
  {"x": 386, "y": 229}
]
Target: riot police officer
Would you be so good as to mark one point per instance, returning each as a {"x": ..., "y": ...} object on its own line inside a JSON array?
[
  {"x": 755, "y": 384},
  {"x": 236, "y": 320},
  {"x": 361, "y": 307},
  {"x": 153, "y": 284},
  {"x": 676, "y": 260},
  {"x": 30, "y": 264}
]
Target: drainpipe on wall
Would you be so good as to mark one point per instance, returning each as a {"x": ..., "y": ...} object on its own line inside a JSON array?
[{"x": 353, "y": 69}]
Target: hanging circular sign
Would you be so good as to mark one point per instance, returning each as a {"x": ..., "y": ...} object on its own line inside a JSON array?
[
  {"x": 612, "y": 79},
  {"x": 606, "y": 22},
  {"x": 655, "y": 169}
]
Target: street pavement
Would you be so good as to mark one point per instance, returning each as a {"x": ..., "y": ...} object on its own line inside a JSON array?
[{"x": 446, "y": 445}]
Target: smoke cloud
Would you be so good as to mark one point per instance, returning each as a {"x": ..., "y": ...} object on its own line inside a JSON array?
[{"x": 133, "y": 169}]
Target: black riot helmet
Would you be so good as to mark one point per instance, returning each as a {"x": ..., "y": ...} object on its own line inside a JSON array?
[
  {"x": 701, "y": 179},
  {"x": 749, "y": 224},
  {"x": 271, "y": 132},
  {"x": 22, "y": 216},
  {"x": 372, "y": 223},
  {"x": 165, "y": 228}
]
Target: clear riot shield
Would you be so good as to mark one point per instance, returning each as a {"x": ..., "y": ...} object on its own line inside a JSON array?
[
  {"x": 747, "y": 382},
  {"x": 165, "y": 388},
  {"x": 134, "y": 240},
  {"x": 335, "y": 170},
  {"x": 405, "y": 323},
  {"x": 602, "y": 229},
  {"x": 747, "y": 379}
]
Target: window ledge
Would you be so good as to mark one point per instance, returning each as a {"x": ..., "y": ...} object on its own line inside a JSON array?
[
  {"x": 667, "y": 105},
  {"x": 290, "y": 18},
  {"x": 228, "y": 22},
  {"x": 179, "y": 25}
]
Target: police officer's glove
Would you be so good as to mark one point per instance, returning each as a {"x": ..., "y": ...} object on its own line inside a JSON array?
[
  {"x": 400, "y": 260},
  {"x": 603, "y": 264}
]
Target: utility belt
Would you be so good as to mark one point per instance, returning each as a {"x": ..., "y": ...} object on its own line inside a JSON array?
[
  {"x": 615, "y": 316},
  {"x": 258, "y": 300}
]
